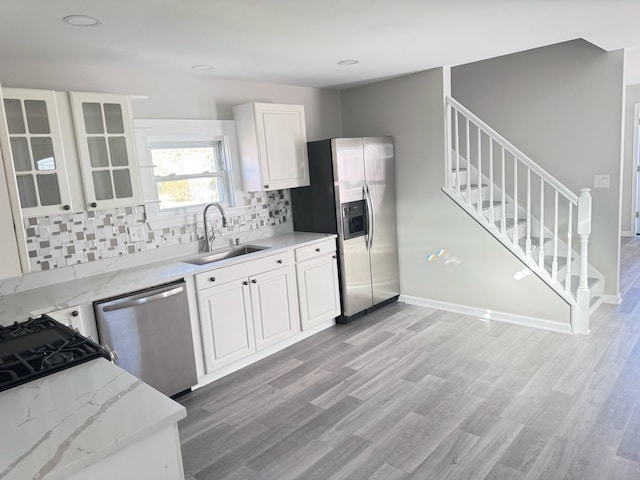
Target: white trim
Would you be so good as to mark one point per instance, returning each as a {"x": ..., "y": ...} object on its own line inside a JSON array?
[
  {"x": 627, "y": 233},
  {"x": 245, "y": 362},
  {"x": 486, "y": 315},
  {"x": 635, "y": 163},
  {"x": 612, "y": 299}
]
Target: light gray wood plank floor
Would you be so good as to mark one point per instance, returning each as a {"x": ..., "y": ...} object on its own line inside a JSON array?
[{"x": 414, "y": 393}]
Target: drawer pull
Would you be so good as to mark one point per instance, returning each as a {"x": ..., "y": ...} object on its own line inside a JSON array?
[
  {"x": 212, "y": 279},
  {"x": 75, "y": 313},
  {"x": 93, "y": 204},
  {"x": 317, "y": 250},
  {"x": 279, "y": 261},
  {"x": 334, "y": 256},
  {"x": 245, "y": 283},
  {"x": 67, "y": 207},
  {"x": 254, "y": 281}
]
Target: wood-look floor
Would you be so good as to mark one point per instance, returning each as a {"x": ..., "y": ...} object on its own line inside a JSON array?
[{"x": 415, "y": 393}]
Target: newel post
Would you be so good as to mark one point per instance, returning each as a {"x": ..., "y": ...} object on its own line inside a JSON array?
[{"x": 584, "y": 230}]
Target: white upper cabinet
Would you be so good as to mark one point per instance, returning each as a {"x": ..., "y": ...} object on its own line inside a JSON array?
[
  {"x": 272, "y": 140},
  {"x": 32, "y": 131},
  {"x": 104, "y": 133}
]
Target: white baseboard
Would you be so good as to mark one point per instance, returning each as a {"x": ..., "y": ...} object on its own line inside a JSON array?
[
  {"x": 612, "y": 299},
  {"x": 245, "y": 362},
  {"x": 627, "y": 233},
  {"x": 486, "y": 315}
]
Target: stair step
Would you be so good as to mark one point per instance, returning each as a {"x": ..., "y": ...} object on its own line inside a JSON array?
[
  {"x": 575, "y": 281},
  {"x": 487, "y": 204},
  {"x": 509, "y": 222},
  {"x": 562, "y": 261},
  {"x": 535, "y": 242}
]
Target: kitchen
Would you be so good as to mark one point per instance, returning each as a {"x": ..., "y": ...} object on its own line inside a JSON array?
[{"x": 185, "y": 95}]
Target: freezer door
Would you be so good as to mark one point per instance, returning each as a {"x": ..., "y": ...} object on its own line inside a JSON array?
[
  {"x": 348, "y": 165},
  {"x": 383, "y": 246},
  {"x": 355, "y": 275}
]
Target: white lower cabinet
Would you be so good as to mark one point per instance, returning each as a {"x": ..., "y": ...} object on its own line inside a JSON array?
[
  {"x": 79, "y": 317},
  {"x": 275, "y": 306},
  {"x": 318, "y": 290},
  {"x": 227, "y": 323},
  {"x": 246, "y": 307}
]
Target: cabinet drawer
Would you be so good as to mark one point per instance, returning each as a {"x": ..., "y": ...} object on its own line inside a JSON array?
[
  {"x": 239, "y": 271},
  {"x": 315, "y": 250}
]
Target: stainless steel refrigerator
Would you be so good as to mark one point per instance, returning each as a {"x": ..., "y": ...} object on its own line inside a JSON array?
[{"x": 352, "y": 194}]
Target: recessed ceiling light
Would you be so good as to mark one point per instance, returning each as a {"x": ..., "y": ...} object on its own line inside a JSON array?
[
  {"x": 348, "y": 62},
  {"x": 202, "y": 67},
  {"x": 82, "y": 21}
]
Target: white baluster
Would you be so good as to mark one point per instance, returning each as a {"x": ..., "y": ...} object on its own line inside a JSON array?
[
  {"x": 554, "y": 262},
  {"x": 503, "y": 220},
  {"x": 527, "y": 243},
  {"x": 515, "y": 201},
  {"x": 479, "y": 200},
  {"x": 584, "y": 230},
  {"x": 491, "y": 211},
  {"x": 567, "y": 282},
  {"x": 457, "y": 137},
  {"x": 468, "y": 153},
  {"x": 541, "y": 227}
]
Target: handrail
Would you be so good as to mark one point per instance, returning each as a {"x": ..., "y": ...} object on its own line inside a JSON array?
[{"x": 551, "y": 180}]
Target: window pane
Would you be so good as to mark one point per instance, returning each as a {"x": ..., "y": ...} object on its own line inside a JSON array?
[
  {"x": 186, "y": 160},
  {"x": 20, "y": 153},
  {"x": 113, "y": 118},
  {"x": 98, "y": 155},
  {"x": 13, "y": 112},
  {"x": 122, "y": 182},
  {"x": 92, "y": 117},
  {"x": 48, "y": 189},
  {"x": 102, "y": 184},
  {"x": 42, "y": 153},
  {"x": 27, "y": 191},
  {"x": 182, "y": 193},
  {"x": 118, "y": 151},
  {"x": 37, "y": 117}
]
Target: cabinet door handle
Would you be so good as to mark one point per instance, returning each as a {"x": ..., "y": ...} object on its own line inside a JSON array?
[
  {"x": 254, "y": 281},
  {"x": 266, "y": 186},
  {"x": 66, "y": 207},
  {"x": 279, "y": 261},
  {"x": 212, "y": 279},
  {"x": 334, "y": 256},
  {"x": 93, "y": 204},
  {"x": 245, "y": 283},
  {"x": 317, "y": 250},
  {"x": 75, "y": 313}
]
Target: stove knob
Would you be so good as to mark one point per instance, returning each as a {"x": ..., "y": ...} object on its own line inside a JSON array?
[{"x": 112, "y": 352}]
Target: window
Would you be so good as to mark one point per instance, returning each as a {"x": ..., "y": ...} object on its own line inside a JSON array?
[
  {"x": 185, "y": 164},
  {"x": 189, "y": 173}
]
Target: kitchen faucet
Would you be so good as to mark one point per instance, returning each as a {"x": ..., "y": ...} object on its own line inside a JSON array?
[{"x": 209, "y": 241}]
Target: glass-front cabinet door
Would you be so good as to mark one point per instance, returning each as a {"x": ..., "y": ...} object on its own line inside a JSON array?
[
  {"x": 32, "y": 127},
  {"x": 105, "y": 144}
]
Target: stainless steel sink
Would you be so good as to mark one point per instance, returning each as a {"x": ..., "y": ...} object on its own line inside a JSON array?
[{"x": 218, "y": 255}]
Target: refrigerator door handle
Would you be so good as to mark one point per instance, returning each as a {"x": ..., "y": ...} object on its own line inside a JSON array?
[{"x": 371, "y": 216}]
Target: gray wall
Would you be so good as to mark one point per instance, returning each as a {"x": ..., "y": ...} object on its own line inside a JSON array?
[
  {"x": 195, "y": 95},
  {"x": 629, "y": 165},
  {"x": 475, "y": 270},
  {"x": 562, "y": 106}
]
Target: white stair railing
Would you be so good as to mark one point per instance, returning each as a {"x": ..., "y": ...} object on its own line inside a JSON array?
[{"x": 532, "y": 204}]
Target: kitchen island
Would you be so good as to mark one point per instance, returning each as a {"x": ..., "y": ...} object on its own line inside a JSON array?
[{"x": 92, "y": 421}]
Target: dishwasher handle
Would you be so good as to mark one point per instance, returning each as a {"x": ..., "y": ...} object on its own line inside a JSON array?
[{"x": 143, "y": 300}]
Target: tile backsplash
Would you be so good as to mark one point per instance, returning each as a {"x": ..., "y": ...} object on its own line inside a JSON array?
[{"x": 69, "y": 239}]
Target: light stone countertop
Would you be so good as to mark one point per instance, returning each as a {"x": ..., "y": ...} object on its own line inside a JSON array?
[
  {"x": 59, "y": 424},
  {"x": 51, "y": 291}
]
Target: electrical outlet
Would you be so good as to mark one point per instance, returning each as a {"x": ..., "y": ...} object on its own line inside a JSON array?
[
  {"x": 136, "y": 233},
  {"x": 601, "y": 181}
]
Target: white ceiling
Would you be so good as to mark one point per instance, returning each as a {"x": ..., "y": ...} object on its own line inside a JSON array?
[{"x": 299, "y": 42}]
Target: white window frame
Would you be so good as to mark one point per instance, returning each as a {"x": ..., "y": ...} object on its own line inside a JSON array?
[{"x": 150, "y": 132}]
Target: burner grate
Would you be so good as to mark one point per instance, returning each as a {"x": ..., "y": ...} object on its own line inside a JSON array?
[{"x": 39, "y": 347}]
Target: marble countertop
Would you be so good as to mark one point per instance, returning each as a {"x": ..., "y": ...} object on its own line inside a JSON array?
[
  {"x": 59, "y": 424},
  {"x": 49, "y": 291}
]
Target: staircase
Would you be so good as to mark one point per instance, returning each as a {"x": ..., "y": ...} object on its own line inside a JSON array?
[{"x": 525, "y": 208}]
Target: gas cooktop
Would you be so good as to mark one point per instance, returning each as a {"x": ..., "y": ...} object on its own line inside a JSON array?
[{"x": 39, "y": 347}]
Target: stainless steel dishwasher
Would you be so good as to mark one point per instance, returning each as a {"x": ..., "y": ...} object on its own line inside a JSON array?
[{"x": 150, "y": 331}]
